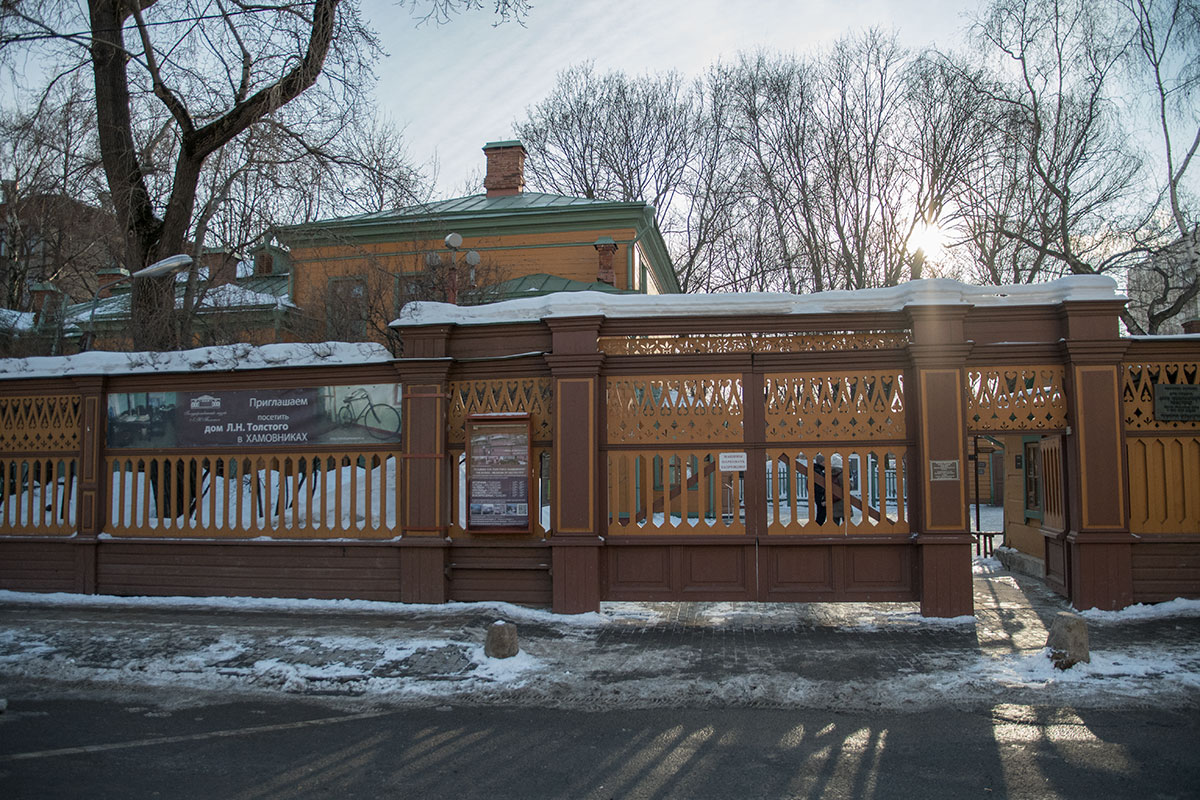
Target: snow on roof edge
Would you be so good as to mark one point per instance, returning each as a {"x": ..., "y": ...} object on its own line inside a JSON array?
[
  {"x": 933, "y": 291},
  {"x": 224, "y": 358}
]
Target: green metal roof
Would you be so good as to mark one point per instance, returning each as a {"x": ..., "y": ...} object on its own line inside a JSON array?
[
  {"x": 479, "y": 215},
  {"x": 541, "y": 283},
  {"x": 475, "y": 205},
  {"x": 259, "y": 292}
]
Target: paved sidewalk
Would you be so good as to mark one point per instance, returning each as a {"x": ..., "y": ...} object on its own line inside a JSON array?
[{"x": 835, "y": 656}]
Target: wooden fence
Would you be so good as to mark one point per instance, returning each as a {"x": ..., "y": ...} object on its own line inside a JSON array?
[{"x": 672, "y": 456}]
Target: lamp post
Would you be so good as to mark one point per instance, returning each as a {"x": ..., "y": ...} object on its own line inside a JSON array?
[
  {"x": 168, "y": 266},
  {"x": 453, "y": 242}
]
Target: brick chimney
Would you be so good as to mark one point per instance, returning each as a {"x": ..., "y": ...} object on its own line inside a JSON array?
[
  {"x": 40, "y": 293},
  {"x": 505, "y": 168},
  {"x": 108, "y": 281},
  {"x": 606, "y": 248},
  {"x": 1192, "y": 326},
  {"x": 221, "y": 266}
]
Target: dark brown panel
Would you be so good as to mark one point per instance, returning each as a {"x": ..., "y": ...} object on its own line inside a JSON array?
[
  {"x": 1101, "y": 574},
  {"x": 946, "y": 587},
  {"x": 37, "y": 566},
  {"x": 1056, "y": 565},
  {"x": 646, "y": 569},
  {"x": 1165, "y": 571},
  {"x": 942, "y": 440},
  {"x": 333, "y": 571},
  {"x": 510, "y": 574},
  {"x": 574, "y": 455},
  {"x": 1101, "y": 449},
  {"x": 878, "y": 568},
  {"x": 795, "y": 573},
  {"x": 576, "y": 578},
  {"x": 724, "y": 573}
]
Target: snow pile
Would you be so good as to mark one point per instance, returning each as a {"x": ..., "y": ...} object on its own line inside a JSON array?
[
  {"x": 935, "y": 291},
  {"x": 508, "y": 611},
  {"x": 400, "y": 654},
  {"x": 202, "y": 359},
  {"x": 1179, "y": 607}
]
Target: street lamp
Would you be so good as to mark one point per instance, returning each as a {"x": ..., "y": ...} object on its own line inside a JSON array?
[
  {"x": 168, "y": 266},
  {"x": 454, "y": 241}
]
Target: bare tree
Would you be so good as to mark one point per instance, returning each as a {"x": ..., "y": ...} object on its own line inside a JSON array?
[
  {"x": 176, "y": 81},
  {"x": 655, "y": 139},
  {"x": 613, "y": 137},
  {"x": 776, "y": 128},
  {"x": 851, "y": 153},
  {"x": 1165, "y": 40},
  {"x": 1064, "y": 57}
]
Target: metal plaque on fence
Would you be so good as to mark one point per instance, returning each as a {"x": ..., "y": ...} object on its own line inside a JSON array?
[{"x": 1176, "y": 402}]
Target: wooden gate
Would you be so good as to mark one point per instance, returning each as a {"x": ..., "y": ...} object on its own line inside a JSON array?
[{"x": 748, "y": 484}]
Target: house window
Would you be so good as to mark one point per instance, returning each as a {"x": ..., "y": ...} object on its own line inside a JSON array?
[
  {"x": 346, "y": 309},
  {"x": 1033, "y": 477}
]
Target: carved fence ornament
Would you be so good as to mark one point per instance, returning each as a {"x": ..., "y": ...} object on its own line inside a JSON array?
[
  {"x": 724, "y": 343},
  {"x": 1138, "y": 393},
  {"x": 832, "y": 407},
  {"x": 533, "y": 396},
  {"x": 675, "y": 409},
  {"x": 39, "y": 424},
  {"x": 1016, "y": 399}
]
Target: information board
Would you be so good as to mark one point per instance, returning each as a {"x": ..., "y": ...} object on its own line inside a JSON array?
[{"x": 498, "y": 474}]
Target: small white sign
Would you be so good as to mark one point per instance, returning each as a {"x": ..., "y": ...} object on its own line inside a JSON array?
[
  {"x": 943, "y": 470},
  {"x": 731, "y": 462}
]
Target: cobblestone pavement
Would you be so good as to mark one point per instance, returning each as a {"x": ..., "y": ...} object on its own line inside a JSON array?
[{"x": 853, "y": 655}]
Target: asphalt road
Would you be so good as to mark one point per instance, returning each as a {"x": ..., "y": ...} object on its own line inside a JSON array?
[{"x": 95, "y": 743}]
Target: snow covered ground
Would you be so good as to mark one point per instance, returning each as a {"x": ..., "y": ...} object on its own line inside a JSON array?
[{"x": 839, "y": 656}]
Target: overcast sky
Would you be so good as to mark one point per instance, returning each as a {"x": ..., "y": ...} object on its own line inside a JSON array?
[{"x": 459, "y": 85}]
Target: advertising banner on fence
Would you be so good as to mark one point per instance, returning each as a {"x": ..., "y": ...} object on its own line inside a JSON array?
[{"x": 255, "y": 418}]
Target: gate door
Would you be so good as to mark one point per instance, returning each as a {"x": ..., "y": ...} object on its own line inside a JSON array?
[{"x": 757, "y": 486}]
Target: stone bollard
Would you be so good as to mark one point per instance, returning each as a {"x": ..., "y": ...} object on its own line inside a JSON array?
[
  {"x": 501, "y": 640},
  {"x": 1068, "y": 640}
]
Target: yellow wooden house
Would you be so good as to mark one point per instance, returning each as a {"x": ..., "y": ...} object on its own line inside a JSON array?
[{"x": 351, "y": 275}]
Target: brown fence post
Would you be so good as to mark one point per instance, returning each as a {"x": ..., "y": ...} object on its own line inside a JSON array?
[
  {"x": 1100, "y": 544},
  {"x": 89, "y": 517},
  {"x": 426, "y": 493},
  {"x": 578, "y": 501},
  {"x": 936, "y": 400}
]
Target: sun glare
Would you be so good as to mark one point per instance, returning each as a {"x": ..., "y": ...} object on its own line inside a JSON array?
[{"x": 930, "y": 238}]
